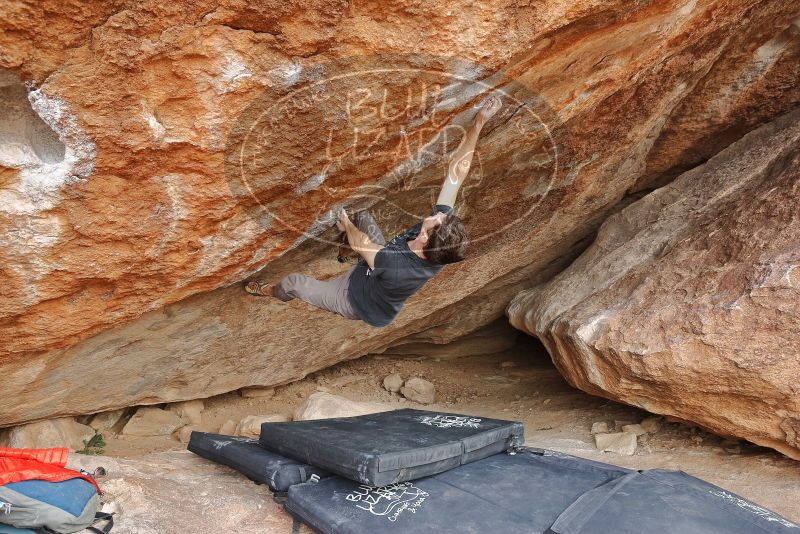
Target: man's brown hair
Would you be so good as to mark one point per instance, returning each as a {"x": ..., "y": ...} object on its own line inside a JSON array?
[{"x": 447, "y": 242}]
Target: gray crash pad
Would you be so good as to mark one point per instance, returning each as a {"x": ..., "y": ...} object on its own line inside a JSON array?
[
  {"x": 503, "y": 493},
  {"x": 252, "y": 460},
  {"x": 390, "y": 447},
  {"x": 669, "y": 502}
]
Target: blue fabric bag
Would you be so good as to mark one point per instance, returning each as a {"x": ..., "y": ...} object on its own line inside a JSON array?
[{"x": 66, "y": 506}]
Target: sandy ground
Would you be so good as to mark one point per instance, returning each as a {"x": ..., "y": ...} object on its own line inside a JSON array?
[{"x": 528, "y": 389}]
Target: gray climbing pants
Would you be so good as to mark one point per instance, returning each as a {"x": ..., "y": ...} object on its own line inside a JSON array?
[{"x": 330, "y": 295}]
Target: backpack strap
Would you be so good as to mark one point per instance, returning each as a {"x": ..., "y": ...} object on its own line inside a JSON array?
[{"x": 105, "y": 529}]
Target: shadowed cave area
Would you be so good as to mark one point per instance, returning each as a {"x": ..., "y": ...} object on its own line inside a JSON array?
[{"x": 25, "y": 139}]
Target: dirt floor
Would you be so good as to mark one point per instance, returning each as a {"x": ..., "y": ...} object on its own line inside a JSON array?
[{"x": 522, "y": 384}]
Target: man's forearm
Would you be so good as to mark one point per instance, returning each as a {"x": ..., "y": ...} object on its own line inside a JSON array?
[
  {"x": 460, "y": 162},
  {"x": 361, "y": 243},
  {"x": 358, "y": 240}
]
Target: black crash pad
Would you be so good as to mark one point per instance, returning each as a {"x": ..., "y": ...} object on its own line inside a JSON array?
[
  {"x": 389, "y": 447},
  {"x": 668, "y": 502},
  {"x": 504, "y": 493},
  {"x": 252, "y": 460}
]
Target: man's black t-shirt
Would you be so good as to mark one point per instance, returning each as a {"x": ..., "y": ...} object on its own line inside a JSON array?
[{"x": 377, "y": 295}]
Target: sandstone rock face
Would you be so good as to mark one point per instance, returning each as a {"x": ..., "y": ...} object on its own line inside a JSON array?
[
  {"x": 688, "y": 302},
  {"x": 124, "y": 219},
  {"x": 181, "y": 492}
]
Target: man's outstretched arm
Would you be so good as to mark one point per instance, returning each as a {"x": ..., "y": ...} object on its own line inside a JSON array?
[
  {"x": 461, "y": 160},
  {"x": 358, "y": 240}
]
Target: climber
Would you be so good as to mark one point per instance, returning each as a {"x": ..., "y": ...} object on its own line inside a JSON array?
[{"x": 387, "y": 274}]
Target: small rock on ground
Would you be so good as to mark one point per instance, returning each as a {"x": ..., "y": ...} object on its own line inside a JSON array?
[
  {"x": 634, "y": 429},
  {"x": 149, "y": 421},
  {"x": 250, "y": 426},
  {"x": 184, "y": 433},
  {"x": 105, "y": 421},
  {"x": 419, "y": 390},
  {"x": 257, "y": 392},
  {"x": 652, "y": 424},
  {"x": 599, "y": 427},
  {"x": 617, "y": 442},
  {"x": 61, "y": 432},
  {"x": 190, "y": 411},
  {"x": 619, "y": 424},
  {"x": 228, "y": 427},
  {"x": 393, "y": 383},
  {"x": 321, "y": 405}
]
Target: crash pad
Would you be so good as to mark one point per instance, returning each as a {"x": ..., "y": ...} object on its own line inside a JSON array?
[
  {"x": 669, "y": 502},
  {"x": 523, "y": 492},
  {"x": 390, "y": 447},
  {"x": 252, "y": 460}
]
